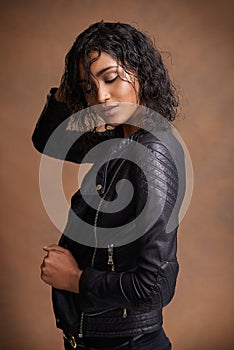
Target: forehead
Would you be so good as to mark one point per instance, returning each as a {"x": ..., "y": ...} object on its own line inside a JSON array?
[{"x": 99, "y": 63}]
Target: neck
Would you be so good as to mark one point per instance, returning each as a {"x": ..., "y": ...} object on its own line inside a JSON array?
[{"x": 129, "y": 129}]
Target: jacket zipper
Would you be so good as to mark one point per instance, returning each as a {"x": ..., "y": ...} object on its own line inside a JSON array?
[
  {"x": 110, "y": 262},
  {"x": 101, "y": 312},
  {"x": 125, "y": 312},
  {"x": 110, "y": 251},
  {"x": 92, "y": 265},
  {"x": 104, "y": 311},
  {"x": 98, "y": 209},
  {"x": 81, "y": 325}
]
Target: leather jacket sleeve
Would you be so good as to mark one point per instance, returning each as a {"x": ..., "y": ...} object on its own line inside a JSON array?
[
  {"x": 152, "y": 283},
  {"x": 52, "y": 136},
  {"x": 53, "y": 114}
]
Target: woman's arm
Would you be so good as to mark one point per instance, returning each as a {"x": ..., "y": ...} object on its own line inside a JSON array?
[
  {"x": 52, "y": 115},
  {"x": 53, "y": 137}
]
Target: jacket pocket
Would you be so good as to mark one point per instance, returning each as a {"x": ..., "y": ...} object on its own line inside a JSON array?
[
  {"x": 167, "y": 280},
  {"x": 101, "y": 312}
]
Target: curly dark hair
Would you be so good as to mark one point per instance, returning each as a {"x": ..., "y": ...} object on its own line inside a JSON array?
[{"x": 135, "y": 52}]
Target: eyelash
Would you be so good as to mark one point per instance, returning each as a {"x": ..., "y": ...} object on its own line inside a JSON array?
[
  {"x": 112, "y": 80},
  {"x": 88, "y": 91}
]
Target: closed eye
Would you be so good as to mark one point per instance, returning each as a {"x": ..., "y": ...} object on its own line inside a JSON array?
[
  {"x": 111, "y": 80},
  {"x": 89, "y": 89}
]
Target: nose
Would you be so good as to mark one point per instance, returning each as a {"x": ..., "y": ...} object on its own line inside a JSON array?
[{"x": 103, "y": 93}]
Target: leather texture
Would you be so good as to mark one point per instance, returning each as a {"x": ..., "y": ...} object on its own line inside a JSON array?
[{"x": 127, "y": 299}]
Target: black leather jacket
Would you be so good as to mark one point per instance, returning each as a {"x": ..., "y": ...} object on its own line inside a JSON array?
[{"x": 125, "y": 282}]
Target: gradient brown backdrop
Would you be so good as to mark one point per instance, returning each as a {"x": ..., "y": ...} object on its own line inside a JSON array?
[{"x": 35, "y": 37}]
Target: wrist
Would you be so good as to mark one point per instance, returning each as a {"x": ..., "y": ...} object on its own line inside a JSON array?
[{"x": 75, "y": 281}]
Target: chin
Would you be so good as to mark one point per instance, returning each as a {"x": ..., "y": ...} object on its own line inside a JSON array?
[
  {"x": 114, "y": 124},
  {"x": 115, "y": 121}
]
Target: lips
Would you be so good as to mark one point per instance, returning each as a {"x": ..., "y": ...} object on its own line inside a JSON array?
[{"x": 109, "y": 109}]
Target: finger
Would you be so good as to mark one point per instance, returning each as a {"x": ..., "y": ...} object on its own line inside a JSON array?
[
  {"x": 44, "y": 277},
  {"x": 43, "y": 264},
  {"x": 55, "y": 247},
  {"x": 50, "y": 247},
  {"x": 42, "y": 272}
]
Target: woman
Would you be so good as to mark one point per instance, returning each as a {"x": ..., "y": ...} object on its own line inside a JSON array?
[{"x": 112, "y": 273}]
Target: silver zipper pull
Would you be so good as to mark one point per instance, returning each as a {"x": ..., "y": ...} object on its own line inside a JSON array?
[
  {"x": 125, "y": 313},
  {"x": 110, "y": 256}
]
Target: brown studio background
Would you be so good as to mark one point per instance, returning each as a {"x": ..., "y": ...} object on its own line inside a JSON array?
[{"x": 35, "y": 37}]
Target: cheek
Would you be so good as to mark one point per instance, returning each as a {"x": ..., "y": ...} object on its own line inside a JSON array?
[
  {"x": 130, "y": 87},
  {"x": 128, "y": 93}
]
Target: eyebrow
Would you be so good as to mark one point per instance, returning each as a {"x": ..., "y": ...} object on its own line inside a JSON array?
[
  {"x": 104, "y": 70},
  {"x": 99, "y": 73}
]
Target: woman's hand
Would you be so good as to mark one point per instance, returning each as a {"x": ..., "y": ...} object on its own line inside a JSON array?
[{"x": 59, "y": 269}]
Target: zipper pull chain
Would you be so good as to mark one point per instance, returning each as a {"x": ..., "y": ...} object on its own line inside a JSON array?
[
  {"x": 125, "y": 313},
  {"x": 81, "y": 325},
  {"x": 110, "y": 257}
]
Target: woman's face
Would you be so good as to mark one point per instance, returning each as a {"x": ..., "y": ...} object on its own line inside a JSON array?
[{"x": 114, "y": 91}]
